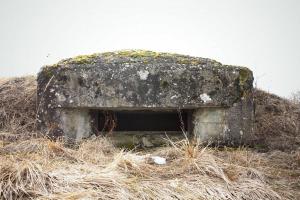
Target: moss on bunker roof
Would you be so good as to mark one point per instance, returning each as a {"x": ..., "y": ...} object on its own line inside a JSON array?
[{"x": 135, "y": 55}]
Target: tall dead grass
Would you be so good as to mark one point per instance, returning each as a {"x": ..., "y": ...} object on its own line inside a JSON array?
[
  {"x": 277, "y": 122},
  {"x": 18, "y": 104},
  {"x": 43, "y": 169},
  {"x": 21, "y": 178}
]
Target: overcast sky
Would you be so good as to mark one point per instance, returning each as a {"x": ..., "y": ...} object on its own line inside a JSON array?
[{"x": 263, "y": 35}]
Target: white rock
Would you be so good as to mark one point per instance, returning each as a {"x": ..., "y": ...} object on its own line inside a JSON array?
[{"x": 159, "y": 160}]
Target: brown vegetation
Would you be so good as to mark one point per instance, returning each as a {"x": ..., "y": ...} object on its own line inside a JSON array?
[
  {"x": 18, "y": 105},
  {"x": 44, "y": 169},
  {"x": 277, "y": 122}
]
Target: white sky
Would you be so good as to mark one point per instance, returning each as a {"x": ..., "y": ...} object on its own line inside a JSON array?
[{"x": 260, "y": 34}]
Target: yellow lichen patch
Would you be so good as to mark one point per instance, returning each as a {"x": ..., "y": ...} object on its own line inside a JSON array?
[
  {"x": 137, "y": 53},
  {"x": 142, "y": 55},
  {"x": 181, "y": 59},
  {"x": 82, "y": 59},
  {"x": 188, "y": 61}
]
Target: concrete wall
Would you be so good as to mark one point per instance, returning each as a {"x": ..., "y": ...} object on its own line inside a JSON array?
[
  {"x": 220, "y": 126},
  {"x": 210, "y": 124},
  {"x": 225, "y": 126}
]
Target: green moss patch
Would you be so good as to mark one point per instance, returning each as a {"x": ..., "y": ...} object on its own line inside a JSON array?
[{"x": 245, "y": 75}]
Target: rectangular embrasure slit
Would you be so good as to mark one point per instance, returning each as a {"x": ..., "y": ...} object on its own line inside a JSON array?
[{"x": 143, "y": 121}]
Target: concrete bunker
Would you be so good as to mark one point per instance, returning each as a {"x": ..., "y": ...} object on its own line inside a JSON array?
[{"x": 144, "y": 96}]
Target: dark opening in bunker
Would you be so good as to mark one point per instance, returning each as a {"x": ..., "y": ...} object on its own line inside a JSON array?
[{"x": 143, "y": 121}]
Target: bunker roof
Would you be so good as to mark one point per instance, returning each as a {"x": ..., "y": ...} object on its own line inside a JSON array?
[{"x": 139, "y": 78}]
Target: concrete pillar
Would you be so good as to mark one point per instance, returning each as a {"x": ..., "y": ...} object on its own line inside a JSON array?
[
  {"x": 209, "y": 124},
  {"x": 76, "y": 124}
]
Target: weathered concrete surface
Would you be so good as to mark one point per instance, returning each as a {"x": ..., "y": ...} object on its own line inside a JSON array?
[
  {"x": 210, "y": 123},
  {"x": 142, "y": 80},
  {"x": 230, "y": 126},
  {"x": 76, "y": 123}
]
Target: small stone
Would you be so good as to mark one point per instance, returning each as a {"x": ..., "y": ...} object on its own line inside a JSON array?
[{"x": 159, "y": 160}]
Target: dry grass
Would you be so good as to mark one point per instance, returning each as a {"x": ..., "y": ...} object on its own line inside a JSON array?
[
  {"x": 277, "y": 122},
  {"x": 44, "y": 169},
  {"x": 21, "y": 178},
  {"x": 280, "y": 170},
  {"x": 18, "y": 104}
]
